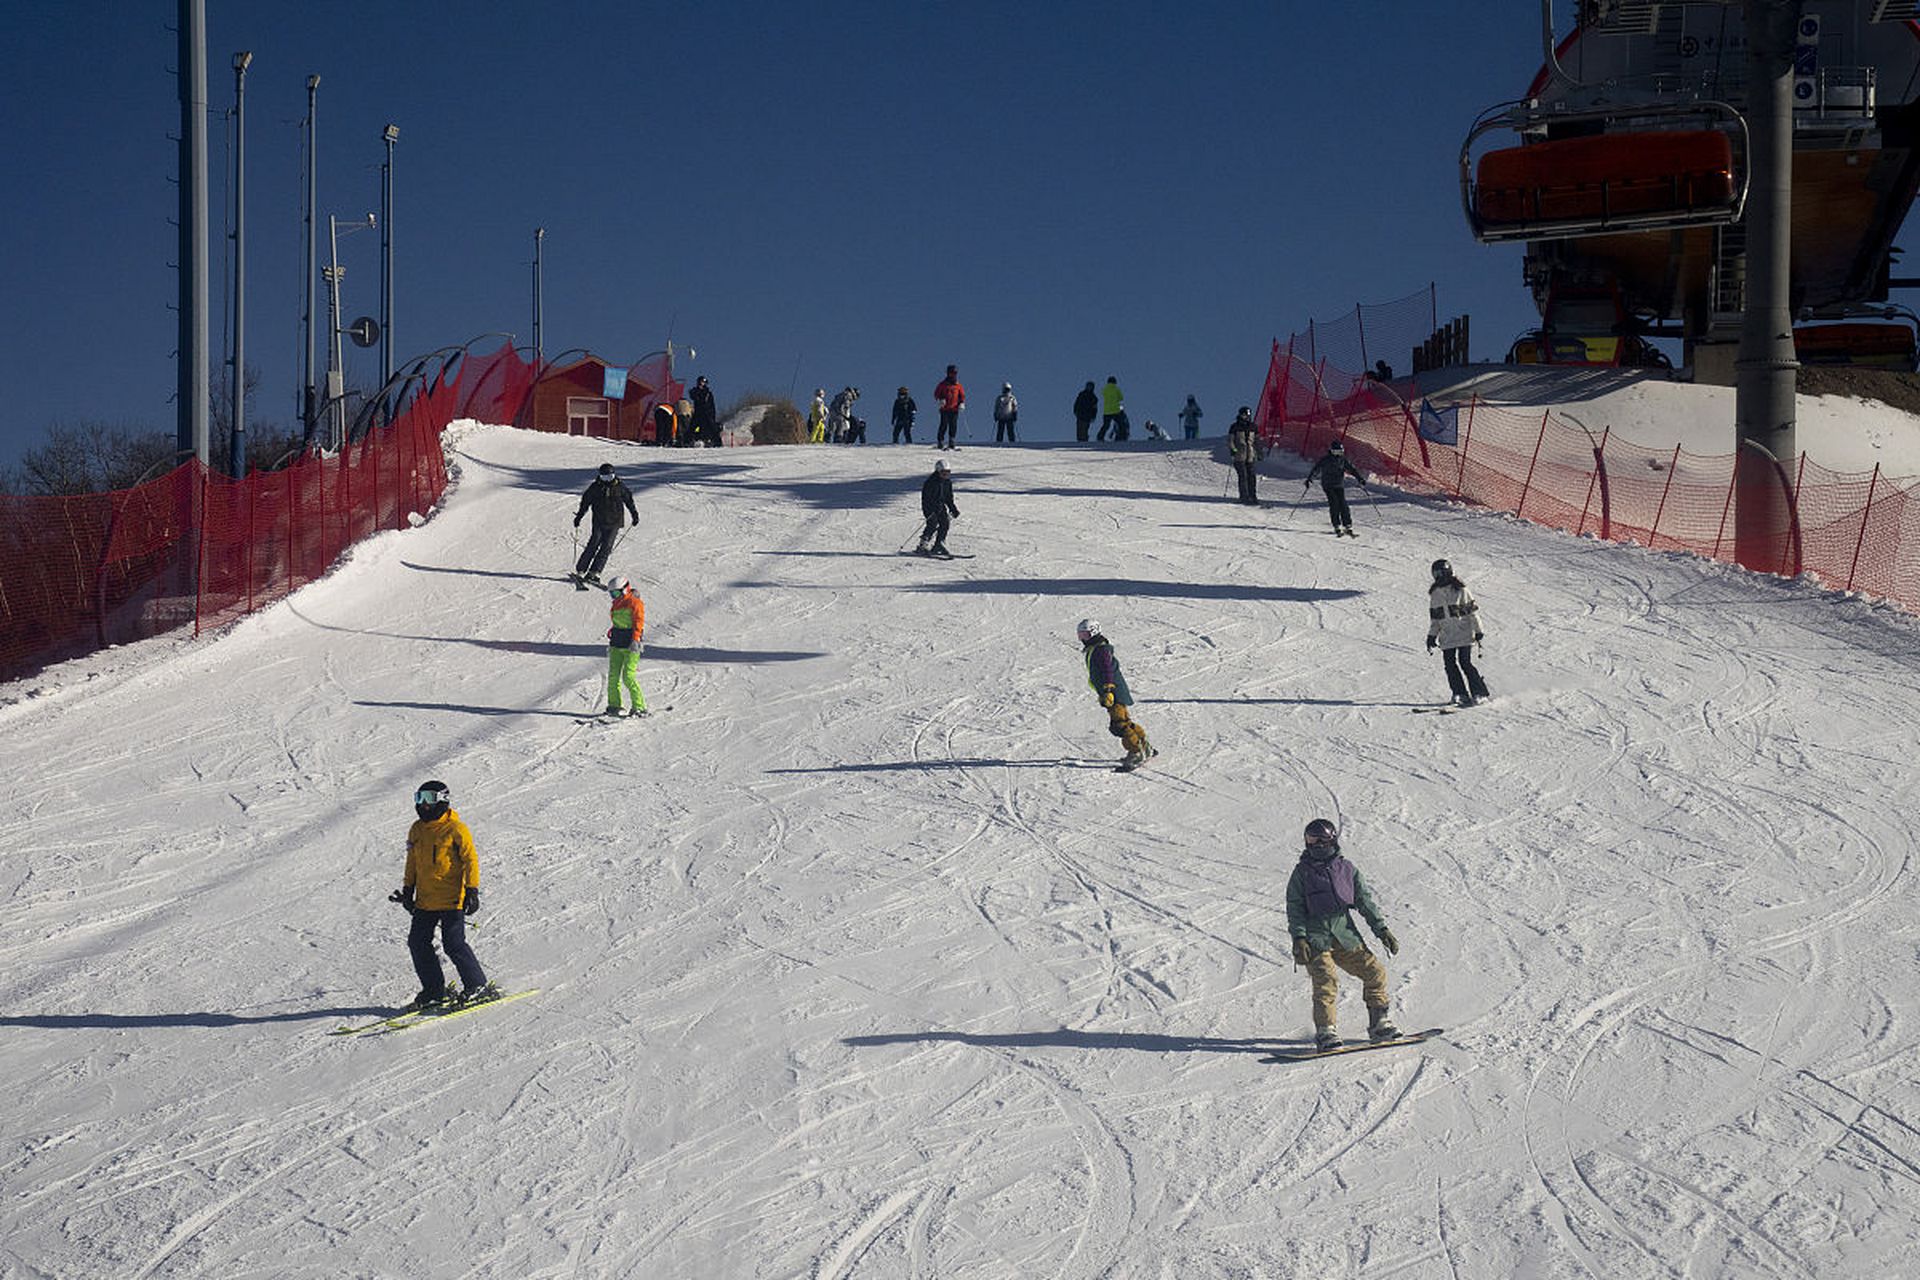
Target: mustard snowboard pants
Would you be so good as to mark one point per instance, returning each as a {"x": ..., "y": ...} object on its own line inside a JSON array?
[{"x": 1362, "y": 964}]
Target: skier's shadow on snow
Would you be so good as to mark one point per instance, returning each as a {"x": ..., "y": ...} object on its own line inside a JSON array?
[
  {"x": 892, "y": 766},
  {"x": 119, "y": 1021},
  {"x": 468, "y": 709},
  {"x": 1066, "y": 1038},
  {"x": 1133, "y": 587},
  {"x": 1284, "y": 702},
  {"x": 485, "y": 573}
]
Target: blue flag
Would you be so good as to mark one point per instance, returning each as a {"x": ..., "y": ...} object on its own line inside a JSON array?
[
  {"x": 1441, "y": 426},
  {"x": 614, "y": 386}
]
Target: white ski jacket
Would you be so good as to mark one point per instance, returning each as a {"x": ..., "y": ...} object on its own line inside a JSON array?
[{"x": 1455, "y": 618}]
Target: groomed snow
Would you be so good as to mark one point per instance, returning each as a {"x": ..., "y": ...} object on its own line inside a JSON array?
[{"x": 861, "y": 962}]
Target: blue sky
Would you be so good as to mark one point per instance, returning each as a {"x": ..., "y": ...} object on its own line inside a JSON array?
[{"x": 809, "y": 195}]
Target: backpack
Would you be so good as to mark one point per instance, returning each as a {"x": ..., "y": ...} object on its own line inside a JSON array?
[{"x": 1328, "y": 885}]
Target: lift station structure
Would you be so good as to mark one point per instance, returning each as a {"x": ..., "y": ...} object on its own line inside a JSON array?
[{"x": 1625, "y": 170}]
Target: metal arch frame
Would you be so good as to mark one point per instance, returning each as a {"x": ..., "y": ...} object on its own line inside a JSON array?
[{"x": 1522, "y": 114}]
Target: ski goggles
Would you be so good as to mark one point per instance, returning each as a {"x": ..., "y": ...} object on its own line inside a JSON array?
[{"x": 432, "y": 796}]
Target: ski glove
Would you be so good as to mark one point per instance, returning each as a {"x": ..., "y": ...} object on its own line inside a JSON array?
[
  {"x": 404, "y": 897},
  {"x": 472, "y": 904},
  {"x": 576, "y": 522},
  {"x": 1106, "y": 697},
  {"x": 1301, "y": 954},
  {"x": 1431, "y": 642},
  {"x": 1391, "y": 943}
]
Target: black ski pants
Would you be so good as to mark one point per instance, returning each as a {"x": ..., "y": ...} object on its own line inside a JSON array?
[
  {"x": 936, "y": 531},
  {"x": 903, "y": 431},
  {"x": 1109, "y": 422},
  {"x": 1081, "y": 426},
  {"x": 1003, "y": 431},
  {"x": 593, "y": 558},
  {"x": 949, "y": 429},
  {"x": 453, "y": 937},
  {"x": 1337, "y": 508},
  {"x": 1462, "y": 676},
  {"x": 1248, "y": 481}
]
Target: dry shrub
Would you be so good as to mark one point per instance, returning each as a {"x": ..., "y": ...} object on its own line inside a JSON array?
[{"x": 780, "y": 423}]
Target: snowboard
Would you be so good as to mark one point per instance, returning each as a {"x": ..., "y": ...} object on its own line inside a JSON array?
[
  {"x": 414, "y": 1017},
  {"x": 1358, "y": 1046}
]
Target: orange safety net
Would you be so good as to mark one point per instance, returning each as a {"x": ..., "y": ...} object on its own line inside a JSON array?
[{"x": 1856, "y": 531}]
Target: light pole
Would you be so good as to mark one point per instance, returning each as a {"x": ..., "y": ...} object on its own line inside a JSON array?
[
  {"x": 237, "y": 452},
  {"x": 336, "y": 363},
  {"x": 539, "y": 234},
  {"x": 194, "y": 362},
  {"x": 308, "y": 406},
  {"x": 392, "y": 135}
]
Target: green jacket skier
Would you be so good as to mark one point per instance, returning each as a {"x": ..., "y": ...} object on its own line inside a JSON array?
[{"x": 1322, "y": 893}]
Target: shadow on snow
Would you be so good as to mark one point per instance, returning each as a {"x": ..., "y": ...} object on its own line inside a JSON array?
[{"x": 1069, "y": 1039}]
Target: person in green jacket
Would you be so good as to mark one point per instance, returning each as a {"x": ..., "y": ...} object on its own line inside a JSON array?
[{"x": 1322, "y": 893}]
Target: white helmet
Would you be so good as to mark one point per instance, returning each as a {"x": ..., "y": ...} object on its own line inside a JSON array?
[
  {"x": 941, "y": 465},
  {"x": 1087, "y": 630},
  {"x": 618, "y": 585}
]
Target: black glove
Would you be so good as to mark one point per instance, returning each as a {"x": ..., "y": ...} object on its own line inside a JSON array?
[
  {"x": 1301, "y": 954},
  {"x": 404, "y": 897},
  {"x": 1431, "y": 642},
  {"x": 472, "y": 904},
  {"x": 576, "y": 522},
  {"x": 1391, "y": 943}
]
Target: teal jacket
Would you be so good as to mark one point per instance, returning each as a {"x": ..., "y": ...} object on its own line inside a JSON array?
[{"x": 1337, "y": 931}]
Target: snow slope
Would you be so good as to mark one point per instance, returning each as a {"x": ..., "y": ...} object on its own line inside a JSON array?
[{"x": 861, "y": 962}]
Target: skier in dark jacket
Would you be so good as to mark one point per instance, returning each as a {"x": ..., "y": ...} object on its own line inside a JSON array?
[
  {"x": 1321, "y": 894},
  {"x": 706, "y": 419},
  {"x": 1104, "y": 678},
  {"x": 1332, "y": 471},
  {"x": 1086, "y": 407},
  {"x": 936, "y": 504},
  {"x": 903, "y": 410},
  {"x": 605, "y": 497},
  {"x": 1241, "y": 448}
]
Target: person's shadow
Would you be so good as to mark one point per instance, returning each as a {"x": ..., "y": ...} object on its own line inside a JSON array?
[
  {"x": 121, "y": 1021},
  {"x": 1066, "y": 1038}
]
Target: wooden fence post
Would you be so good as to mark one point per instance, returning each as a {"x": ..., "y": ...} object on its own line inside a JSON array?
[
  {"x": 1865, "y": 516},
  {"x": 1653, "y": 534},
  {"x": 1527, "y": 484}
]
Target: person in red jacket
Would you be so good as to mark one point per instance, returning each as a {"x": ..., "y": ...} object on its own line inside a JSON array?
[{"x": 951, "y": 397}]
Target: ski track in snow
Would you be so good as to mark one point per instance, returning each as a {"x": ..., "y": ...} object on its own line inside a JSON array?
[{"x": 861, "y": 961}]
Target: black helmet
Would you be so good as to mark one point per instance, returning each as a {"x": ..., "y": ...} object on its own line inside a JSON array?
[
  {"x": 1245, "y": 412},
  {"x": 1442, "y": 571},
  {"x": 1320, "y": 831},
  {"x": 606, "y": 471},
  {"x": 1336, "y": 447},
  {"x": 432, "y": 800}
]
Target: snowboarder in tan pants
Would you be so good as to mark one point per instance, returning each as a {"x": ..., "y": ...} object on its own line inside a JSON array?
[{"x": 1321, "y": 894}]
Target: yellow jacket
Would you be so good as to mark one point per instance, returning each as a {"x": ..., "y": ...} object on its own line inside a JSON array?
[{"x": 442, "y": 863}]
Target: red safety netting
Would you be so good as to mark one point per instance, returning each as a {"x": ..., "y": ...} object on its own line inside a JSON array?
[
  {"x": 1856, "y": 531},
  {"x": 195, "y": 547}
]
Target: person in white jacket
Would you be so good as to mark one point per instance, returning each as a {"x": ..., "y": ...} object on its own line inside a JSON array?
[
  {"x": 1006, "y": 410},
  {"x": 1454, "y": 628}
]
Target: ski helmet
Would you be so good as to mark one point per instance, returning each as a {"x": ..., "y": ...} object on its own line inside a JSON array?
[
  {"x": 1442, "y": 571},
  {"x": 1336, "y": 447},
  {"x": 1087, "y": 630},
  {"x": 941, "y": 465},
  {"x": 1006, "y": 386},
  {"x": 1245, "y": 412},
  {"x": 1322, "y": 832},
  {"x": 606, "y": 471},
  {"x": 618, "y": 585},
  {"x": 903, "y": 391},
  {"x": 431, "y": 800}
]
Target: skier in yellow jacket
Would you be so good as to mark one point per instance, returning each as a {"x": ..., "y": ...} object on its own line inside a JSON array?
[{"x": 440, "y": 889}]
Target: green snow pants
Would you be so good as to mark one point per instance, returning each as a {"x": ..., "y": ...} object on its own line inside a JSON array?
[{"x": 621, "y": 665}]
